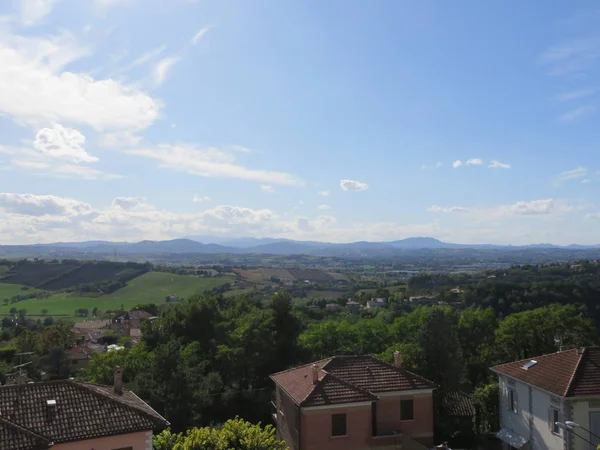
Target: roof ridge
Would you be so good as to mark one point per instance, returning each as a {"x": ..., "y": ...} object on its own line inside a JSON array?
[
  {"x": 314, "y": 384},
  {"x": 401, "y": 370},
  {"x": 545, "y": 355},
  {"x": 341, "y": 380},
  {"x": 22, "y": 429},
  {"x": 572, "y": 377},
  {"x": 303, "y": 365},
  {"x": 91, "y": 388}
]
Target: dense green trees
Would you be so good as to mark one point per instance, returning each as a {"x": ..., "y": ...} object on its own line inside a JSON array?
[{"x": 234, "y": 434}]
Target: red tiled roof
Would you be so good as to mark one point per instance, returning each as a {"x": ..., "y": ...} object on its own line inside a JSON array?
[
  {"x": 569, "y": 373},
  {"x": 82, "y": 411},
  {"x": 458, "y": 404},
  {"x": 344, "y": 379},
  {"x": 14, "y": 437}
]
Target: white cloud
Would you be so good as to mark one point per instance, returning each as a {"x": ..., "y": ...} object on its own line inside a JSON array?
[
  {"x": 324, "y": 207},
  {"x": 201, "y": 198},
  {"x": 267, "y": 188},
  {"x": 579, "y": 172},
  {"x": 534, "y": 207},
  {"x": 42, "y": 164},
  {"x": 199, "y": 35},
  {"x": 127, "y": 203},
  {"x": 41, "y": 205},
  {"x": 474, "y": 162},
  {"x": 576, "y": 95},
  {"x": 324, "y": 193},
  {"x": 586, "y": 181},
  {"x": 451, "y": 209},
  {"x": 439, "y": 164},
  {"x": 33, "y": 11},
  {"x": 211, "y": 162},
  {"x": 498, "y": 165},
  {"x": 36, "y": 89},
  {"x": 572, "y": 57},
  {"x": 577, "y": 113},
  {"x": 162, "y": 68},
  {"x": 457, "y": 163},
  {"x": 351, "y": 185},
  {"x": 119, "y": 139},
  {"x": 104, "y": 4},
  {"x": 63, "y": 143}
]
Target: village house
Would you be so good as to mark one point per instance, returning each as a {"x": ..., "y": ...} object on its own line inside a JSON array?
[
  {"x": 353, "y": 403},
  {"x": 79, "y": 356},
  {"x": 334, "y": 307},
  {"x": 375, "y": 303},
  {"x": 551, "y": 401},
  {"x": 72, "y": 415},
  {"x": 352, "y": 306}
]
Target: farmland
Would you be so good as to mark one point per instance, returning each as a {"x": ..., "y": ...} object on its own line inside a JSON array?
[
  {"x": 35, "y": 274},
  {"x": 314, "y": 275},
  {"x": 153, "y": 287},
  {"x": 90, "y": 273}
]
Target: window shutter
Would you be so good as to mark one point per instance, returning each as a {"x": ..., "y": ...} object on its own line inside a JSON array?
[
  {"x": 550, "y": 427},
  {"x": 516, "y": 401}
]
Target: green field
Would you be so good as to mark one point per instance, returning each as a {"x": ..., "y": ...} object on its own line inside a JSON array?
[
  {"x": 10, "y": 290},
  {"x": 151, "y": 287}
]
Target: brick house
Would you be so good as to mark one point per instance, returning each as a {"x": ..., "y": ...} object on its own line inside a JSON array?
[
  {"x": 536, "y": 393},
  {"x": 71, "y": 415},
  {"x": 353, "y": 403}
]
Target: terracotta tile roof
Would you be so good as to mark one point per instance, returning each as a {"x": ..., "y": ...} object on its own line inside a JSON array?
[
  {"x": 345, "y": 379},
  {"x": 458, "y": 404},
  {"x": 568, "y": 373},
  {"x": 82, "y": 411},
  {"x": 14, "y": 437}
]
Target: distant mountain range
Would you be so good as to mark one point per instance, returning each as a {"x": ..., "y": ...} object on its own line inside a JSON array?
[{"x": 220, "y": 245}]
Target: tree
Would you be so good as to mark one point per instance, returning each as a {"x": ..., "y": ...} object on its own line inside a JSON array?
[
  {"x": 13, "y": 311},
  {"x": 44, "y": 311},
  {"x": 59, "y": 335},
  {"x": 486, "y": 402},
  {"x": 235, "y": 434},
  {"x": 56, "y": 364}
]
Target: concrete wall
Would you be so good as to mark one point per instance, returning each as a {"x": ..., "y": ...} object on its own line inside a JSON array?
[
  {"x": 137, "y": 441},
  {"x": 543, "y": 436},
  {"x": 581, "y": 416},
  {"x": 315, "y": 429},
  {"x": 288, "y": 419}
]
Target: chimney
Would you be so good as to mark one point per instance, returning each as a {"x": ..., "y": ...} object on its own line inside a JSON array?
[
  {"x": 315, "y": 374},
  {"x": 118, "y": 380},
  {"x": 397, "y": 359}
]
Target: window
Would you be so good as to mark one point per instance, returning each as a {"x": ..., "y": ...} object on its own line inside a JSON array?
[
  {"x": 407, "y": 410},
  {"x": 554, "y": 417},
  {"x": 338, "y": 425},
  {"x": 513, "y": 401}
]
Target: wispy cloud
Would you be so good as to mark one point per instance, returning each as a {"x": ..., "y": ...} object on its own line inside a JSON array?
[
  {"x": 498, "y": 165},
  {"x": 572, "y": 57},
  {"x": 162, "y": 69},
  {"x": 199, "y": 35},
  {"x": 324, "y": 193},
  {"x": 437, "y": 165},
  {"x": 143, "y": 59},
  {"x": 577, "y": 113},
  {"x": 456, "y": 164},
  {"x": 451, "y": 209},
  {"x": 576, "y": 95},
  {"x": 475, "y": 162},
  {"x": 267, "y": 188},
  {"x": 324, "y": 207},
  {"x": 34, "y": 11},
  {"x": 586, "y": 181},
  {"x": 573, "y": 174}
]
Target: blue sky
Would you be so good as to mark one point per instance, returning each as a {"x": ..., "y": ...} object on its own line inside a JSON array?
[{"x": 341, "y": 120}]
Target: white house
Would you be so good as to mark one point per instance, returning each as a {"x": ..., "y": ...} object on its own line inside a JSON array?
[{"x": 538, "y": 392}]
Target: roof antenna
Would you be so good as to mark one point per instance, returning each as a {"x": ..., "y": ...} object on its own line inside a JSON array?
[{"x": 558, "y": 342}]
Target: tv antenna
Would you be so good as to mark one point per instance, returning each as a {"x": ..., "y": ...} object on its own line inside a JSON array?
[{"x": 558, "y": 342}]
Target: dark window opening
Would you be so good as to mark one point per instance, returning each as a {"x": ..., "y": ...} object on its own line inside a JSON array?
[
  {"x": 374, "y": 418},
  {"x": 338, "y": 424},
  {"x": 406, "y": 410}
]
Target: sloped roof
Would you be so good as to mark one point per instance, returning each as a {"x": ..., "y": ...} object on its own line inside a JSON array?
[
  {"x": 458, "y": 404},
  {"x": 568, "y": 373},
  {"x": 344, "y": 379},
  {"x": 82, "y": 410},
  {"x": 14, "y": 437}
]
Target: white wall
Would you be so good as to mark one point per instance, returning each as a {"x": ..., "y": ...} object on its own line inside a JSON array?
[
  {"x": 519, "y": 422},
  {"x": 581, "y": 410},
  {"x": 531, "y": 420},
  {"x": 543, "y": 437}
]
